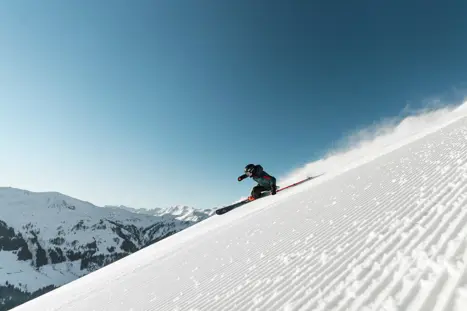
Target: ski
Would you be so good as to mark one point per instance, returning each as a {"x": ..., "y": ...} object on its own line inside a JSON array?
[{"x": 228, "y": 208}]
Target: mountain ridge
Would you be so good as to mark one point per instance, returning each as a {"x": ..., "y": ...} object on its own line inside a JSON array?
[{"x": 48, "y": 239}]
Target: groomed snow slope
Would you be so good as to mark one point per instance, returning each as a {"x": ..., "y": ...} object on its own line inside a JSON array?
[{"x": 389, "y": 234}]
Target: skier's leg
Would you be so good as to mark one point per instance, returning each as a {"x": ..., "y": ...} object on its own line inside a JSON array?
[{"x": 256, "y": 191}]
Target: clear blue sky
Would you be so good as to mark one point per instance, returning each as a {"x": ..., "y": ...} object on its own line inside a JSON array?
[{"x": 154, "y": 103}]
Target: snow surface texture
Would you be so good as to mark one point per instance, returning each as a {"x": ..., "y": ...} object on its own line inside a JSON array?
[{"x": 386, "y": 233}]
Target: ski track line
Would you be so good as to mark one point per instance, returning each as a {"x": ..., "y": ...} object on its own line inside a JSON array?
[
  {"x": 409, "y": 267},
  {"x": 410, "y": 234},
  {"x": 414, "y": 279},
  {"x": 457, "y": 270},
  {"x": 341, "y": 292},
  {"x": 384, "y": 292},
  {"x": 323, "y": 285},
  {"x": 235, "y": 280},
  {"x": 450, "y": 205},
  {"x": 446, "y": 273}
]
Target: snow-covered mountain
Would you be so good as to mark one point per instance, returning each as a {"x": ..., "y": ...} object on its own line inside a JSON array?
[
  {"x": 181, "y": 212},
  {"x": 388, "y": 232},
  {"x": 49, "y": 239}
]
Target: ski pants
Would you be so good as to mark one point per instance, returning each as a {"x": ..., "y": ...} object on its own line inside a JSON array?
[{"x": 256, "y": 191}]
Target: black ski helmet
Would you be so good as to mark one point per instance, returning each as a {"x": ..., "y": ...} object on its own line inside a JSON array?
[{"x": 250, "y": 168}]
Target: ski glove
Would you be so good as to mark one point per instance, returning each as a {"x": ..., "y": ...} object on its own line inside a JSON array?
[
  {"x": 240, "y": 178},
  {"x": 273, "y": 189}
]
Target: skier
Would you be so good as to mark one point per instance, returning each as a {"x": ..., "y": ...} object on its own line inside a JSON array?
[{"x": 265, "y": 181}]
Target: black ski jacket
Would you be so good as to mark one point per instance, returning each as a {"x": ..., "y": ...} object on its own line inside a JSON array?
[{"x": 261, "y": 177}]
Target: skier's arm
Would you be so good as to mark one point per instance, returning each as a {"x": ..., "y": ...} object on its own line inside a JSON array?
[{"x": 240, "y": 178}]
